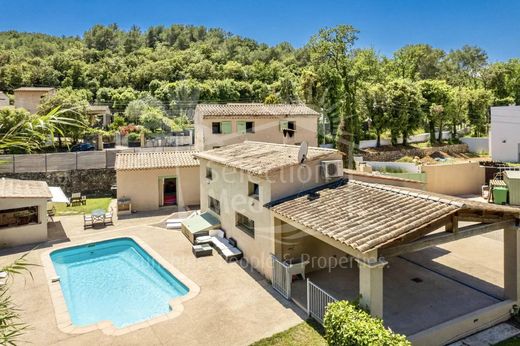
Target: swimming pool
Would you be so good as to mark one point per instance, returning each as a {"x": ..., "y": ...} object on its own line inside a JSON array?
[{"x": 114, "y": 280}]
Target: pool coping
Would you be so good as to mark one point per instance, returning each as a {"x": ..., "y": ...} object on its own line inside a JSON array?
[{"x": 62, "y": 314}]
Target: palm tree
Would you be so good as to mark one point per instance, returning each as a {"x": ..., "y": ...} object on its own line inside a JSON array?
[
  {"x": 11, "y": 325},
  {"x": 33, "y": 131}
]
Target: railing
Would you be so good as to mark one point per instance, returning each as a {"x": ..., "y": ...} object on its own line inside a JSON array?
[
  {"x": 317, "y": 301},
  {"x": 282, "y": 280}
]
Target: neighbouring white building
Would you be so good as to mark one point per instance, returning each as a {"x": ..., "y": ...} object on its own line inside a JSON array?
[{"x": 504, "y": 135}]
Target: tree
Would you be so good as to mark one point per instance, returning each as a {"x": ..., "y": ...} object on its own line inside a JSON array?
[
  {"x": 479, "y": 101},
  {"x": 403, "y": 109},
  {"x": 463, "y": 67},
  {"x": 73, "y": 105},
  {"x": 153, "y": 119},
  {"x": 27, "y": 132},
  {"x": 334, "y": 50},
  {"x": 133, "y": 40},
  {"x": 418, "y": 61},
  {"x": 373, "y": 107},
  {"x": 102, "y": 37},
  {"x": 457, "y": 110},
  {"x": 436, "y": 94}
]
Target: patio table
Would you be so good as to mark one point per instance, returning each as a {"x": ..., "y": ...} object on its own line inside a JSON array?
[{"x": 98, "y": 215}]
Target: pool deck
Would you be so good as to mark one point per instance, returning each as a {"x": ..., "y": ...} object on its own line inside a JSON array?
[{"x": 235, "y": 306}]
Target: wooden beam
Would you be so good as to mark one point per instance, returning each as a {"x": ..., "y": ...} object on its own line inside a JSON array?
[
  {"x": 453, "y": 226},
  {"x": 446, "y": 237}
]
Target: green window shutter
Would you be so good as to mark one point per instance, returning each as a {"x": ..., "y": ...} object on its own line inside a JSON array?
[
  {"x": 284, "y": 125},
  {"x": 226, "y": 127},
  {"x": 241, "y": 127}
]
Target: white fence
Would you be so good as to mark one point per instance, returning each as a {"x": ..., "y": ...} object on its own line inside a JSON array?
[
  {"x": 422, "y": 137},
  {"x": 407, "y": 167},
  {"x": 317, "y": 301},
  {"x": 477, "y": 144},
  {"x": 282, "y": 279}
]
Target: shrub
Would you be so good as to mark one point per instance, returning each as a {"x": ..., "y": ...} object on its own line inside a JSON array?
[
  {"x": 134, "y": 137},
  {"x": 348, "y": 325}
]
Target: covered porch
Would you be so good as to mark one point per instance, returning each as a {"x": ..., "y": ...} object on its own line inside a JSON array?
[{"x": 420, "y": 262}]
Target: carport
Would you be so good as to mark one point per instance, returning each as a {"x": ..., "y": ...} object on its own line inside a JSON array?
[{"x": 375, "y": 226}]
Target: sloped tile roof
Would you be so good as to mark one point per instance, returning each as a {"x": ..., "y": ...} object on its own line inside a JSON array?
[
  {"x": 15, "y": 188},
  {"x": 253, "y": 109},
  {"x": 262, "y": 158},
  {"x": 151, "y": 160},
  {"x": 368, "y": 216},
  {"x": 34, "y": 89}
]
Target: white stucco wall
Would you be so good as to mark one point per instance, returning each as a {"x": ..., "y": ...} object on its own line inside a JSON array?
[
  {"x": 504, "y": 136},
  {"x": 230, "y": 187}
]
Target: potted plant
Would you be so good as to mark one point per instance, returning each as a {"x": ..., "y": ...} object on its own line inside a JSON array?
[{"x": 134, "y": 139}]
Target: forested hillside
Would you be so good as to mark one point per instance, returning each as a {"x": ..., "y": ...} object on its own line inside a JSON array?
[{"x": 418, "y": 87}]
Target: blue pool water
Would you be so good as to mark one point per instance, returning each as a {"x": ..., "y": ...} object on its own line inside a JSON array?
[{"x": 114, "y": 280}]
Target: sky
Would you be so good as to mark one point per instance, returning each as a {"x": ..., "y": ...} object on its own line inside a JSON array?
[{"x": 384, "y": 25}]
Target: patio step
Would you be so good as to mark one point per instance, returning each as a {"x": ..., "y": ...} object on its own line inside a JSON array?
[{"x": 490, "y": 336}]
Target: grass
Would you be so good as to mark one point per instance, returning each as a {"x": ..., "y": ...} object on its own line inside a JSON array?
[
  {"x": 92, "y": 204},
  {"x": 515, "y": 341},
  {"x": 308, "y": 333}
]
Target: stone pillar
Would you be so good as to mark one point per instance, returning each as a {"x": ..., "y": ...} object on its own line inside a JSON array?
[
  {"x": 99, "y": 141},
  {"x": 371, "y": 285},
  {"x": 511, "y": 263},
  {"x": 143, "y": 140}
]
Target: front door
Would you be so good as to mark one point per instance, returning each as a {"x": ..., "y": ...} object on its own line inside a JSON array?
[{"x": 170, "y": 191}]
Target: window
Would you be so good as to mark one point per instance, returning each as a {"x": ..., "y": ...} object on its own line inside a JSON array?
[
  {"x": 214, "y": 205},
  {"x": 288, "y": 127},
  {"x": 253, "y": 190},
  {"x": 224, "y": 127},
  {"x": 216, "y": 128},
  {"x": 245, "y": 127},
  {"x": 18, "y": 216},
  {"x": 245, "y": 224},
  {"x": 209, "y": 173}
]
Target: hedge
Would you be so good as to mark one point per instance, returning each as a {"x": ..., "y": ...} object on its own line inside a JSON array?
[{"x": 348, "y": 325}]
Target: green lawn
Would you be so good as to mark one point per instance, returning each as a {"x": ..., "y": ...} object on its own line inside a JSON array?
[
  {"x": 510, "y": 342},
  {"x": 308, "y": 333},
  {"x": 92, "y": 204}
]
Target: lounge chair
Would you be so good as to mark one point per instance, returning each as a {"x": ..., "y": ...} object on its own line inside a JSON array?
[
  {"x": 75, "y": 199},
  {"x": 109, "y": 217},
  {"x": 83, "y": 200},
  {"x": 87, "y": 221},
  {"x": 227, "y": 248}
]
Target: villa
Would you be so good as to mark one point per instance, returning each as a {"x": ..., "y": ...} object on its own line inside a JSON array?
[
  {"x": 286, "y": 215},
  {"x": 223, "y": 124}
]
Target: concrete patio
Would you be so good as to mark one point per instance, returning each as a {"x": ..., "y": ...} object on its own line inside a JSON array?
[
  {"x": 236, "y": 306},
  {"x": 428, "y": 287}
]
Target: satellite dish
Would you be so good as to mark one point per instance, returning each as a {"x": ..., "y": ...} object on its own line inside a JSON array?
[{"x": 302, "y": 153}]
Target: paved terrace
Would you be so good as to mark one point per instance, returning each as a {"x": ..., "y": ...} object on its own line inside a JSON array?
[
  {"x": 235, "y": 306},
  {"x": 428, "y": 287}
]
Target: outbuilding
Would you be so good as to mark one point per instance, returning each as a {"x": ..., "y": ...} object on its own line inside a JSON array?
[
  {"x": 151, "y": 180},
  {"x": 23, "y": 211}
]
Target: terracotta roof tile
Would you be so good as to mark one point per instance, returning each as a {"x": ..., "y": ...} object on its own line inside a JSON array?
[
  {"x": 151, "y": 160},
  {"x": 368, "y": 216},
  {"x": 253, "y": 109},
  {"x": 261, "y": 158},
  {"x": 14, "y": 188}
]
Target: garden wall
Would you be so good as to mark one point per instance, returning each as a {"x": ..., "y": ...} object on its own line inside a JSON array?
[
  {"x": 88, "y": 181},
  {"x": 394, "y": 155},
  {"x": 477, "y": 144},
  {"x": 462, "y": 178}
]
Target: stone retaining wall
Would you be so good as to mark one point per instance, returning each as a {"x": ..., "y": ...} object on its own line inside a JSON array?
[
  {"x": 94, "y": 182},
  {"x": 394, "y": 155}
]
